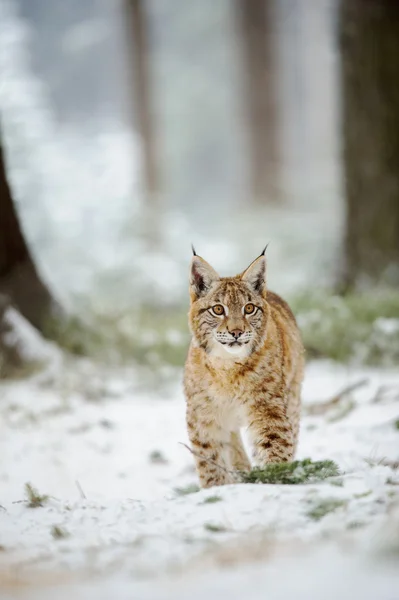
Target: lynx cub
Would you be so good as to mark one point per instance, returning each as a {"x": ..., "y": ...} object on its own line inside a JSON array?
[{"x": 244, "y": 369}]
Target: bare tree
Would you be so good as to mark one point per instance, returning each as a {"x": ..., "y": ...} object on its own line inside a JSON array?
[
  {"x": 20, "y": 282},
  {"x": 256, "y": 28},
  {"x": 369, "y": 40},
  {"x": 139, "y": 51}
]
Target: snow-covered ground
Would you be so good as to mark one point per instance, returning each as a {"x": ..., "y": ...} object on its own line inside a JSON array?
[{"x": 108, "y": 455}]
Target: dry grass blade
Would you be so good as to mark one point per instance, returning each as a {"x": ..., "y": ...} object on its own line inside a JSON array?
[
  {"x": 212, "y": 462},
  {"x": 80, "y": 489}
]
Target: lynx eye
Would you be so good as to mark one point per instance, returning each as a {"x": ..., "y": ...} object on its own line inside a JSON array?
[
  {"x": 218, "y": 310},
  {"x": 249, "y": 309}
]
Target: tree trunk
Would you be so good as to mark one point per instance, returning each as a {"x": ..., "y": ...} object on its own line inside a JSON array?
[
  {"x": 256, "y": 28},
  {"x": 19, "y": 278},
  {"x": 369, "y": 39},
  {"x": 137, "y": 23}
]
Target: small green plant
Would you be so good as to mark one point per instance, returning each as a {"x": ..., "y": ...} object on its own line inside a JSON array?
[
  {"x": 58, "y": 532},
  {"x": 325, "y": 506},
  {"x": 212, "y": 500},
  {"x": 214, "y": 528},
  {"x": 396, "y": 424},
  {"x": 192, "y": 488},
  {"x": 296, "y": 472},
  {"x": 33, "y": 498}
]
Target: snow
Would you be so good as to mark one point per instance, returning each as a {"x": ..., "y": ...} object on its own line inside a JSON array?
[
  {"x": 20, "y": 334},
  {"x": 84, "y": 436}
]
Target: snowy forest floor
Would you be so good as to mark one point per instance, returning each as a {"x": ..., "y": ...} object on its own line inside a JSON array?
[{"x": 119, "y": 520}]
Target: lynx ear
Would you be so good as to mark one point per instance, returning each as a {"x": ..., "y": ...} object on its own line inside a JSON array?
[
  {"x": 255, "y": 274},
  {"x": 202, "y": 276}
]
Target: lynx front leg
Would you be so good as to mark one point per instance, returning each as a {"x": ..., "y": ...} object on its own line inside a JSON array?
[
  {"x": 211, "y": 446},
  {"x": 238, "y": 456},
  {"x": 294, "y": 410},
  {"x": 271, "y": 432}
]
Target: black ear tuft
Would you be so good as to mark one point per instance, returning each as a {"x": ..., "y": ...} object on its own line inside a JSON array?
[
  {"x": 264, "y": 250},
  {"x": 193, "y": 249}
]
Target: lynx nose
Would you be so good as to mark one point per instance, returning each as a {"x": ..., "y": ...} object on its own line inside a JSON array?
[{"x": 236, "y": 333}]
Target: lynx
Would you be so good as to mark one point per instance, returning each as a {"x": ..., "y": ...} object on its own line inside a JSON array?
[{"x": 244, "y": 369}]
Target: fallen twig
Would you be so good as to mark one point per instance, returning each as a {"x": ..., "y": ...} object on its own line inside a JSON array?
[
  {"x": 320, "y": 408},
  {"x": 394, "y": 464},
  {"x": 385, "y": 393},
  {"x": 343, "y": 411}
]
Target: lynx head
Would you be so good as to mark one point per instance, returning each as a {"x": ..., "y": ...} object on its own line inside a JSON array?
[{"x": 228, "y": 315}]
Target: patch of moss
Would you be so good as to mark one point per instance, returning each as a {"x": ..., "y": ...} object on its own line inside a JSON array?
[
  {"x": 212, "y": 500},
  {"x": 292, "y": 473},
  {"x": 324, "y": 507},
  {"x": 192, "y": 488},
  {"x": 214, "y": 528}
]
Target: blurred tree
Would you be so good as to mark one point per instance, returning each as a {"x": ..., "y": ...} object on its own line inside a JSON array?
[
  {"x": 256, "y": 26},
  {"x": 74, "y": 47},
  {"x": 369, "y": 39},
  {"x": 137, "y": 22},
  {"x": 20, "y": 282}
]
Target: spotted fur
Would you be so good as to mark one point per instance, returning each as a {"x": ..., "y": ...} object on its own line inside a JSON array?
[{"x": 242, "y": 370}]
